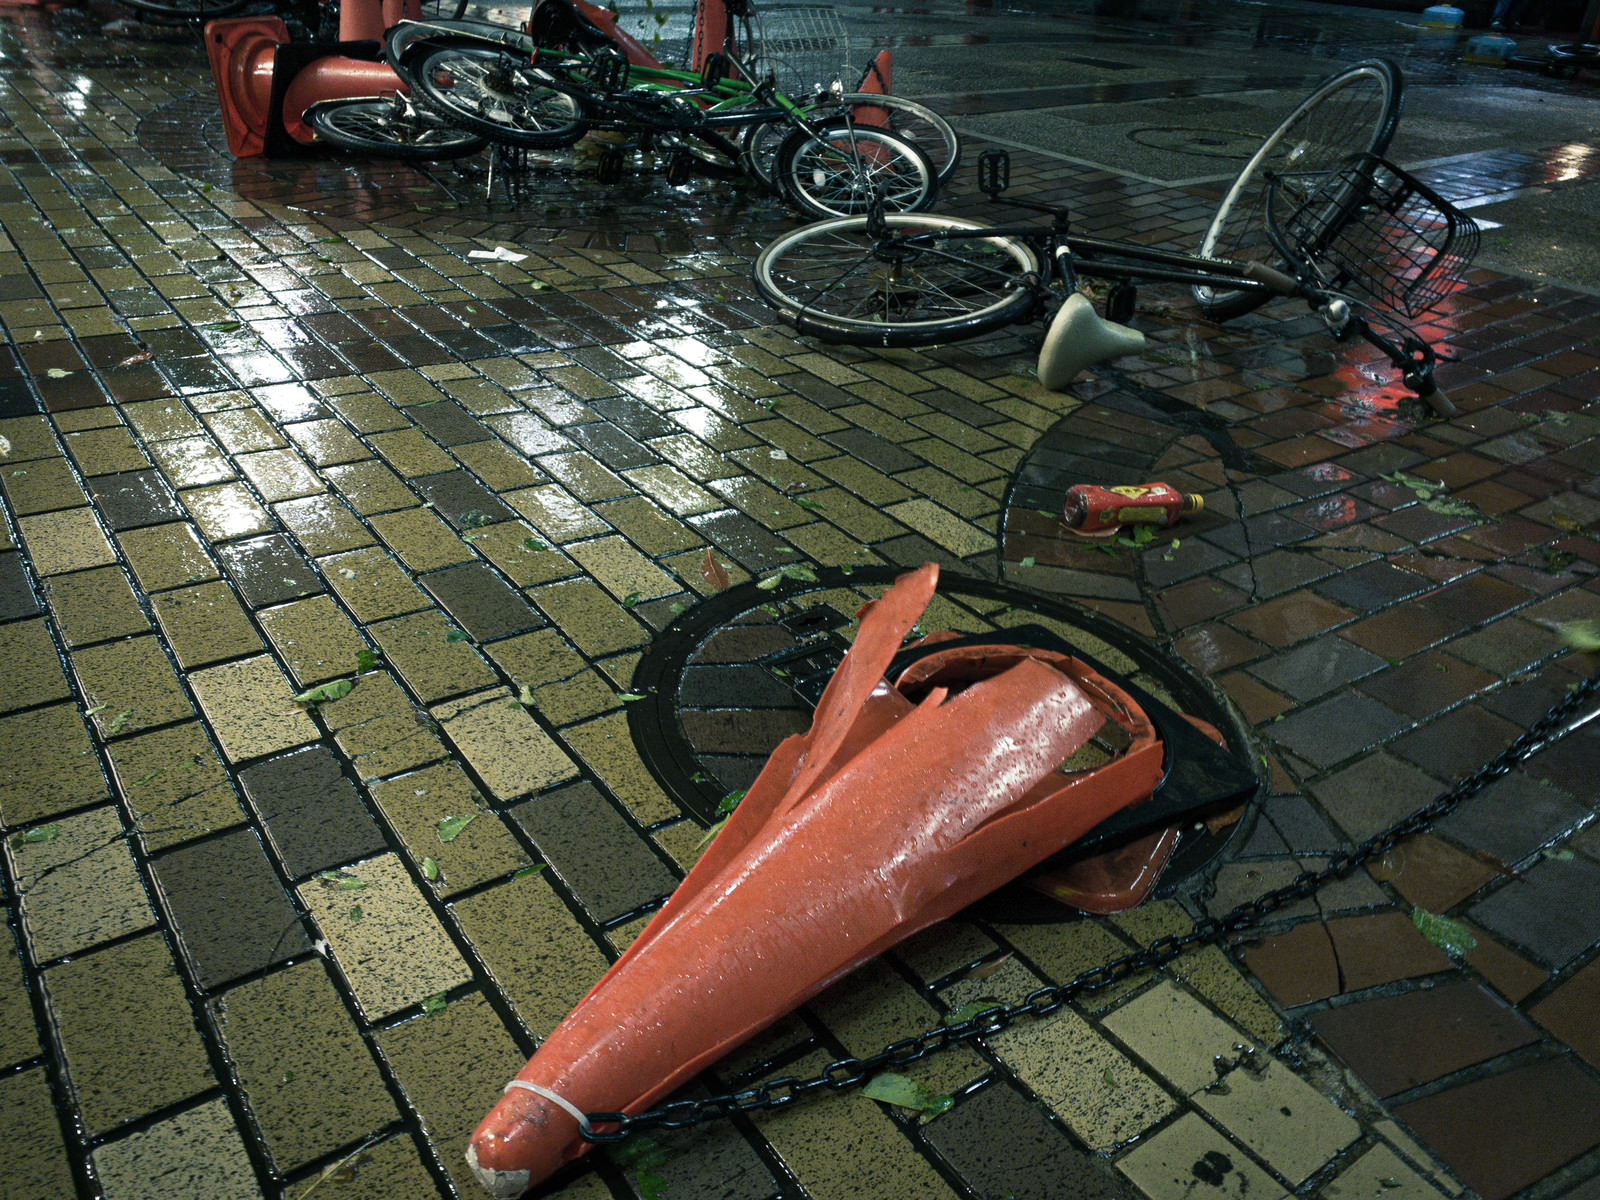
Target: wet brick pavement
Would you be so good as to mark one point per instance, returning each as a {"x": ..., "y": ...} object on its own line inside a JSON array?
[{"x": 269, "y": 425}]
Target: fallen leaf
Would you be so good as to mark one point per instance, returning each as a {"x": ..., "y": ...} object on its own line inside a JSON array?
[
  {"x": 533, "y": 544},
  {"x": 1581, "y": 635},
  {"x": 904, "y": 1092},
  {"x": 430, "y": 869},
  {"x": 57, "y": 373},
  {"x": 434, "y": 1004},
  {"x": 134, "y": 360},
  {"x": 355, "y": 912},
  {"x": 530, "y": 870},
  {"x": 39, "y": 833},
  {"x": 450, "y": 828},
  {"x": 366, "y": 660},
  {"x": 973, "y": 1008},
  {"x": 1452, "y": 937},
  {"x": 713, "y": 572},
  {"x": 985, "y": 969},
  {"x": 335, "y": 690}
]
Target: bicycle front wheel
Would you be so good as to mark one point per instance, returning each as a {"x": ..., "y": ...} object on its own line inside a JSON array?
[
  {"x": 924, "y": 279},
  {"x": 379, "y": 126},
  {"x": 915, "y": 123},
  {"x": 496, "y": 93},
  {"x": 1352, "y": 112},
  {"x": 842, "y": 171}
]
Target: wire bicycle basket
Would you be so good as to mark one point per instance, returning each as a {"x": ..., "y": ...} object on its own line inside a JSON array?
[
  {"x": 805, "y": 49},
  {"x": 1372, "y": 225}
]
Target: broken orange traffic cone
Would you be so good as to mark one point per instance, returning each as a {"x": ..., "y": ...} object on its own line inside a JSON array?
[{"x": 903, "y": 804}]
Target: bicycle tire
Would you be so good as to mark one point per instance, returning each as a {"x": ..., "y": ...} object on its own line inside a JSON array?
[
  {"x": 1351, "y": 112},
  {"x": 409, "y": 38},
  {"x": 374, "y": 125},
  {"x": 188, "y": 10},
  {"x": 916, "y": 123},
  {"x": 843, "y": 171},
  {"x": 838, "y": 281},
  {"x": 443, "y": 10},
  {"x": 497, "y": 93}
]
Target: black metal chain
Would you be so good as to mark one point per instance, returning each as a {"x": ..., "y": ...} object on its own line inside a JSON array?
[{"x": 852, "y": 1072}]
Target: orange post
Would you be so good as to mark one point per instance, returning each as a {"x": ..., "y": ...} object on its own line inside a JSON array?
[{"x": 904, "y": 803}]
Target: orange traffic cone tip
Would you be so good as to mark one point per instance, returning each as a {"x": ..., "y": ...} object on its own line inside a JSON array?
[{"x": 903, "y": 804}]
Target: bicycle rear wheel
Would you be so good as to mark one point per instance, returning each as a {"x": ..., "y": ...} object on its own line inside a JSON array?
[
  {"x": 188, "y": 10},
  {"x": 497, "y": 93},
  {"x": 443, "y": 10},
  {"x": 916, "y": 123},
  {"x": 407, "y": 38},
  {"x": 908, "y": 286},
  {"x": 380, "y": 125},
  {"x": 1353, "y": 111},
  {"x": 844, "y": 170}
]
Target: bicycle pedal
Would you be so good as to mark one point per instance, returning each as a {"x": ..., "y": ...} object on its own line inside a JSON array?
[
  {"x": 994, "y": 172},
  {"x": 609, "y": 70},
  {"x": 715, "y": 70},
  {"x": 608, "y": 167}
]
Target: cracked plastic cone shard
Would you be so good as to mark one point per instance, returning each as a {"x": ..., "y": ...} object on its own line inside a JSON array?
[{"x": 885, "y": 817}]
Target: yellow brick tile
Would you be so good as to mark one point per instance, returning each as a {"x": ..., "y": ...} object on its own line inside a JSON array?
[
  {"x": 383, "y": 936},
  {"x": 1100, "y": 1093},
  {"x": 848, "y": 1149},
  {"x": 619, "y": 568},
  {"x": 534, "y": 948},
  {"x": 315, "y": 639},
  {"x": 78, "y": 887},
  {"x": 1189, "y": 1160},
  {"x": 249, "y": 709},
  {"x": 943, "y": 527},
  {"x": 503, "y": 744},
  {"x": 68, "y": 540},
  {"x": 606, "y": 747},
  {"x": 416, "y": 805}
]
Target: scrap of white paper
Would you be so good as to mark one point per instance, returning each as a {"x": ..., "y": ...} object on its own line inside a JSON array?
[{"x": 499, "y": 254}]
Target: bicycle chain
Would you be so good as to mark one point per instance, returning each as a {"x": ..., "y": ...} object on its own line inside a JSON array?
[{"x": 852, "y": 1072}]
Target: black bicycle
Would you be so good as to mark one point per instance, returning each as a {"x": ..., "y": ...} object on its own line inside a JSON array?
[{"x": 1316, "y": 213}]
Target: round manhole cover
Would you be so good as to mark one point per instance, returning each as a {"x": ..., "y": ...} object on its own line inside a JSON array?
[
  {"x": 1201, "y": 143},
  {"x": 732, "y": 677}
]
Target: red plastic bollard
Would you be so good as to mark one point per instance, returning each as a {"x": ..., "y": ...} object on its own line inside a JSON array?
[
  {"x": 243, "y": 51},
  {"x": 904, "y": 803}
]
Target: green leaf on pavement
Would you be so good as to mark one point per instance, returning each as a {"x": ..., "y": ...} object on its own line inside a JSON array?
[
  {"x": 355, "y": 912},
  {"x": 1452, "y": 937},
  {"x": 904, "y": 1092},
  {"x": 430, "y": 869},
  {"x": 39, "y": 833},
  {"x": 450, "y": 828},
  {"x": 965, "y": 1013},
  {"x": 1581, "y": 635},
  {"x": 435, "y": 1003},
  {"x": 338, "y": 689}
]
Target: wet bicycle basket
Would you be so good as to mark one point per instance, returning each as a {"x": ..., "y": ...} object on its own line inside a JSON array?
[
  {"x": 805, "y": 49},
  {"x": 1372, "y": 225}
]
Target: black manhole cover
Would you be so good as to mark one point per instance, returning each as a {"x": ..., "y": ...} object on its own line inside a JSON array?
[
  {"x": 729, "y": 679},
  {"x": 1200, "y": 143}
]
